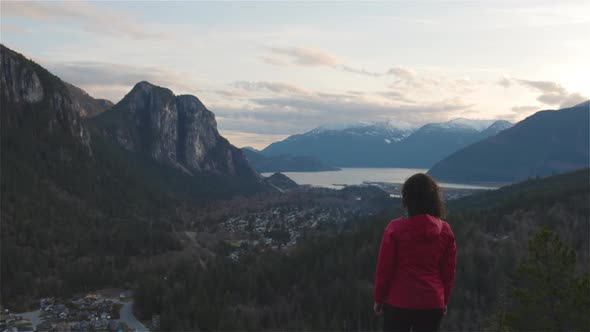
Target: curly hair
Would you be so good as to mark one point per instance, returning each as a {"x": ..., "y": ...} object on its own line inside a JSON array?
[{"x": 421, "y": 195}]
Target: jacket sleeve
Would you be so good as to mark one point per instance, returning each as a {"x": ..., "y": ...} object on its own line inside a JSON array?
[
  {"x": 447, "y": 268},
  {"x": 385, "y": 267}
]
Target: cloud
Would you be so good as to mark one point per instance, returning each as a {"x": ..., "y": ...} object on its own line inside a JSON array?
[
  {"x": 288, "y": 114},
  {"x": 90, "y": 17},
  {"x": 310, "y": 57},
  {"x": 411, "y": 85},
  {"x": 313, "y": 57},
  {"x": 112, "y": 81},
  {"x": 396, "y": 96},
  {"x": 551, "y": 98},
  {"x": 305, "y": 56},
  {"x": 359, "y": 71},
  {"x": 550, "y": 93},
  {"x": 402, "y": 73},
  {"x": 572, "y": 99},
  {"x": 505, "y": 82},
  {"x": 546, "y": 87},
  {"x": 276, "y": 87},
  {"x": 278, "y": 108},
  {"x": 525, "y": 109},
  {"x": 275, "y": 61}
]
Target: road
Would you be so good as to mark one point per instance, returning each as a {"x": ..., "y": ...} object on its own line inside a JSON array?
[
  {"x": 127, "y": 317},
  {"x": 33, "y": 316}
]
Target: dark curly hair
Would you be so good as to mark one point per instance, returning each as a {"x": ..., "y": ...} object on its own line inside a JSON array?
[{"x": 421, "y": 195}]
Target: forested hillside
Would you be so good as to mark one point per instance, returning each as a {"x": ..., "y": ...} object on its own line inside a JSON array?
[
  {"x": 326, "y": 282},
  {"x": 545, "y": 143},
  {"x": 78, "y": 210}
]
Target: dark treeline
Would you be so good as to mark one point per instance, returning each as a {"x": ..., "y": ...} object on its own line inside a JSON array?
[
  {"x": 326, "y": 282},
  {"x": 68, "y": 224}
]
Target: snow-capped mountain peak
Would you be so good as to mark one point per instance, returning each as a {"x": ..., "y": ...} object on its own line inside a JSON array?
[
  {"x": 340, "y": 126},
  {"x": 476, "y": 124},
  {"x": 399, "y": 125},
  {"x": 389, "y": 125}
]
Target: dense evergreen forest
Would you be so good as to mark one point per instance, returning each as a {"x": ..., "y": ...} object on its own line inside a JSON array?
[
  {"x": 522, "y": 254},
  {"x": 64, "y": 237}
]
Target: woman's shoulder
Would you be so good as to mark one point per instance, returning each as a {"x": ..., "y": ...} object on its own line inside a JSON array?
[
  {"x": 395, "y": 224},
  {"x": 446, "y": 229}
]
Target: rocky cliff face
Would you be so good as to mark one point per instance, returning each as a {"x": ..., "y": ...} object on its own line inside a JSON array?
[
  {"x": 84, "y": 104},
  {"x": 175, "y": 130},
  {"x": 20, "y": 82},
  {"x": 34, "y": 98}
]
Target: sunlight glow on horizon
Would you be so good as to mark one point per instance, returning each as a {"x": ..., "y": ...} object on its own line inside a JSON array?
[{"x": 269, "y": 70}]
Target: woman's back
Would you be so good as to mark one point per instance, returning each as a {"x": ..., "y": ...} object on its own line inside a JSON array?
[
  {"x": 416, "y": 264},
  {"x": 421, "y": 245}
]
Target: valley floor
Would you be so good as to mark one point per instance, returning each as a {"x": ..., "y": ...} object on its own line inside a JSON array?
[{"x": 110, "y": 310}]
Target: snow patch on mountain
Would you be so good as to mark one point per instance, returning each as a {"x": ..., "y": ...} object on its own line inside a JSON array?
[{"x": 478, "y": 125}]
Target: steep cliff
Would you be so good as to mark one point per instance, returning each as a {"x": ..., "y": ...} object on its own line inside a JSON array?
[
  {"x": 35, "y": 100},
  {"x": 175, "y": 130},
  {"x": 87, "y": 199},
  {"x": 85, "y": 105}
]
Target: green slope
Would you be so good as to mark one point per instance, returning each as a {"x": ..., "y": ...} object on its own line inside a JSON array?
[
  {"x": 546, "y": 143},
  {"x": 326, "y": 282}
]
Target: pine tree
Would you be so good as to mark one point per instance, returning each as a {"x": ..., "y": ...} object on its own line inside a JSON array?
[{"x": 548, "y": 296}]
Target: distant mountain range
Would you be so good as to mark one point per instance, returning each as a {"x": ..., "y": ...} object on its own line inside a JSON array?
[
  {"x": 387, "y": 144},
  {"x": 284, "y": 163},
  {"x": 545, "y": 143}
]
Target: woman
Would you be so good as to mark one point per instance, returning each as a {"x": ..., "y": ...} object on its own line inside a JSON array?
[{"x": 416, "y": 265}]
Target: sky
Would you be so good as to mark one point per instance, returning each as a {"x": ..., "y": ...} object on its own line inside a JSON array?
[{"x": 272, "y": 69}]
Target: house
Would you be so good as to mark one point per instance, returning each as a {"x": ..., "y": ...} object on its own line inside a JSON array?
[
  {"x": 114, "y": 325},
  {"x": 45, "y": 326},
  {"x": 63, "y": 326},
  {"x": 126, "y": 294},
  {"x": 25, "y": 328},
  {"x": 155, "y": 323}
]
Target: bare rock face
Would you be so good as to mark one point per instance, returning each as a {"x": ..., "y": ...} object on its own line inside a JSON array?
[
  {"x": 84, "y": 104},
  {"x": 193, "y": 145},
  {"x": 30, "y": 92},
  {"x": 20, "y": 83},
  {"x": 176, "y": 130}
]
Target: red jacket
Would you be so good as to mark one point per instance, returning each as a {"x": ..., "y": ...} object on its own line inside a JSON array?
[{"x": 416, "y": 265}]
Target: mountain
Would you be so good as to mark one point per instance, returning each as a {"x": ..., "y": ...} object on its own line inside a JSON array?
[
  {"x": 37, "y": 103},
  {"x": 386, "y": 144},
  {"x": 66, "y": 206},
  {"x": 86, "y": 105},
  {"x": 175, "y": 130},
  {"x": 496, "y": 127},
  {"x": 281, "y": 181},
  {"x": 545, "y": 143},
  {"x": 361, "y": 144},
  {"x": 87, "y": 192},
  {"x": 284, "y": 163},
  {"x": 433, "y": 142},
  {"x": 251, "y": 149}
]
